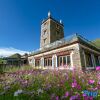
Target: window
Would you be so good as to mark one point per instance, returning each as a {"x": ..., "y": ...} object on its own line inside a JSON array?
[
  {"x": 57, "y": 32},
  {"x": 30, "y": 60},
  {"x": 57, "y": 26},
  {"x": 48, "y": 62},
  {"x": 68, "y": 60},
  {"x": 45, "y": 23},
  {"x": 37, "y": 63},
  {"x": 63, "y": 60},
  {"x": 60, "y": 61},
  {"x": 96, "y": 60},
  {"x": 45, "y": 31},
  {"x": 45, "y": 62},
  {"x": 88, "y": 60},
  {"x": 45, "y": 40}
]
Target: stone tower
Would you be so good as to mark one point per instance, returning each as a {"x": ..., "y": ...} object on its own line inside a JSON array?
[{"x": 51, "y": 30}]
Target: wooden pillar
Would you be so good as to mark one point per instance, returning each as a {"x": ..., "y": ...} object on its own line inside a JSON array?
[
  {"x": 54, "y": 61},
  {"x": 84, "y": 58},
  {"x": 71, "y": 59},
  {"x": 42, "y": 62},
  {"x": 93, "y": 60},
  {"x": 99, "y": 59},
  {"x": 33, "y": 61}
]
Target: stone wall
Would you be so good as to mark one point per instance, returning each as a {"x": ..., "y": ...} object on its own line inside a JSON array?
[
  {"x": 74, "y": 53},
  {"x": 56, "y": 31},
  {"x": 76, "y": 58},
  {"x": 45, "y": 27}
]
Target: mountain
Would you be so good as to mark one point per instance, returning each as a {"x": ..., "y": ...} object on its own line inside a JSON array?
[
  {"x": 6, "y": 52},
  {"x": 97, "y": 42}
]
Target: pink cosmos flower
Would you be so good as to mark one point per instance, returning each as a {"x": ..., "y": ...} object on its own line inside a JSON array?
[
  {"x": 74, "y": 84},
  {"x": 66, "y": 94},
  {"x": 98, "y": 68},
  {"x": 99, "y": 83},
  {"x": 57, "y": 98},
  {"x": 91, "y": 81},
  {"x": 84, "y": 95},
  {"x": 94, "y": 89},
  {"x": 88, "y": 98},
  {"x": 75, "y": 97},
  {"x": 78, "y": 87}
]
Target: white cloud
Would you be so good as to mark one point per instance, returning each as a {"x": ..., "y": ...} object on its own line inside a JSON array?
[{"x": 10, "y": 51}]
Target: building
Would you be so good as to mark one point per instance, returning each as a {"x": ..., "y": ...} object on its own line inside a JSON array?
[
  {"x": 57, "y": 51},
  {"x": 51, "y": 31},
  {"x": 16, "y": 60}
]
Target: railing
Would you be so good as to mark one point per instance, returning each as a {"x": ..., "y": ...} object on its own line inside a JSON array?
[
  {"x": 63, "y": 41},
  {"x": 57, "y": 43},
  {"x": 86, "y": 40}
]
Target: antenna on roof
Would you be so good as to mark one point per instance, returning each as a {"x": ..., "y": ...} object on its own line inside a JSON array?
[
  {"x": 49, "y": 14},
  {"x": 60, "y": 21},
  {"x": 42, "y": 20}
]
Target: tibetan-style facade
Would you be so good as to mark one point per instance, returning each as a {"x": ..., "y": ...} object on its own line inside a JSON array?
[{"x": 57, "y": 51}]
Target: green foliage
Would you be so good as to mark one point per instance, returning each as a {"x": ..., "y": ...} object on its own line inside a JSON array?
[
  {"x": 97, "y": 42},
  {"x": 15, "y": 56},
  {"x": 2, "y": 64},
  {"x": 2, "y": 61},
  {"x": 17, "y": 68}
]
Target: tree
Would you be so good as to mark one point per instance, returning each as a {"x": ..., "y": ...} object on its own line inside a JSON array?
[{"x": 97, "y": 42}]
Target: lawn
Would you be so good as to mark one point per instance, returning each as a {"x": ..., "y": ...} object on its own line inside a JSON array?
[{"x": 38, "y": 84}]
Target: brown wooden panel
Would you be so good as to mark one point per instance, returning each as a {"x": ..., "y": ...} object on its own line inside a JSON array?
[{"x": 63, "y": 53}]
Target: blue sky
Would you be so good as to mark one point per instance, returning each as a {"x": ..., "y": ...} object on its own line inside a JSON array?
[{"x": 20, "y": 20}]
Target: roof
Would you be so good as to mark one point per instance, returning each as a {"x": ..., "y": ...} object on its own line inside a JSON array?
[
  {"x": 69, "y": 40},
  {"x": 53, "y": 20},
  {"x": 88, "y": 43}
]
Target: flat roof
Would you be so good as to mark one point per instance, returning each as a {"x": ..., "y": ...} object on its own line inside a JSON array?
[
  {"x": 69, "y": 40},
  {"x": 53, "y": 20}
]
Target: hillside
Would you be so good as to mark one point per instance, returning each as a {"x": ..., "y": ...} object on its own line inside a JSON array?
[
  {"x": 15, "y": 56},
  {"x": 97, "y": 42}
]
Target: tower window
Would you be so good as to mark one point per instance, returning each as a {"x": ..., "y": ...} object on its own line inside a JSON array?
[
  {"x": 45, "y": 31},
  {"x": 45, "y": 40},
  {"x": 45, "y": 23},
  {"x": 57, "y": 32},
  {"x": 57, "y": 26}
]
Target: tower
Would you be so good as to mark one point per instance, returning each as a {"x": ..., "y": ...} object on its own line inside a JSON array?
[{"x": 51, "y": 31}]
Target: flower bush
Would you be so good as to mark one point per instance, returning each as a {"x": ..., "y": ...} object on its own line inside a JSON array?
[
  {"x": 98, "y": 68},
  {"x": 38, "y": 84}
]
